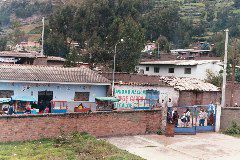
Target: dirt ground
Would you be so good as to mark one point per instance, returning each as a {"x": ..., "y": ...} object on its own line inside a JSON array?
[{"x": 204, "y": 146}]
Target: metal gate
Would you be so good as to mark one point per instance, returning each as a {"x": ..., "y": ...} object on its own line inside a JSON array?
[{"x": 194, "y": 119}]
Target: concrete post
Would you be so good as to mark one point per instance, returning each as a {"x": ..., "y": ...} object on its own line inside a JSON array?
[
  {"x": 164, "y": 119},
  {"x": 218, "y": 117}
]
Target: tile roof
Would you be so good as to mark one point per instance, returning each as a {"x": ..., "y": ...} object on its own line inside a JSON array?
[
  {"x": 189, "y": 84},
  {"x": 180, "y": 84},
  {"x": 47, "y": 74},
  {"x": 134, "y": 79}
]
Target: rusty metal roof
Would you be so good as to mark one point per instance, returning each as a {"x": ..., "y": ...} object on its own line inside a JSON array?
[
  {"x": 189, "y": 84},
  {"x": 47, "y": 74}
]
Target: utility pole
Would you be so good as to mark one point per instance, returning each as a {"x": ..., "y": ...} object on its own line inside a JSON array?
[
  {"x": 43, "y": 30},
  {"x": 223, "y": 103},
  {"x": 114, "y": 66},
  {"x": 233, "y": 71}
]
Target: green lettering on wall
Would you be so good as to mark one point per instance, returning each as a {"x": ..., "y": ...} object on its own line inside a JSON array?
[{"x": 133, "y": 91}]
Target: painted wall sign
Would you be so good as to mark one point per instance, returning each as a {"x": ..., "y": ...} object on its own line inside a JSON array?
[{"x": 129, "y": 95}]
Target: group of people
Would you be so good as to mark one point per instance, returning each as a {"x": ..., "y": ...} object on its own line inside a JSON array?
[
  {"x": 26, "y": 109},
  {"x": 202, "y": 116}
]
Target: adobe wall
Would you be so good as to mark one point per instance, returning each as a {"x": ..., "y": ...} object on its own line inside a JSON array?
[
  {"x": 102, "y": 124},
  {"x": 236, "y": 94},
  {"x": 229, "y": 114},
  {"x": 189, "y": 98}
]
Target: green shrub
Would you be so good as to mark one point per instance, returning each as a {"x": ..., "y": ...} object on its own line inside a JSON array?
[
  {"x": 159, "y": 132},
  {"x": 234, "y": 129}
]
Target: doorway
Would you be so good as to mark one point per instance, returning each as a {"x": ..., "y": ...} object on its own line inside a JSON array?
[{"x": 45, "y": 97}]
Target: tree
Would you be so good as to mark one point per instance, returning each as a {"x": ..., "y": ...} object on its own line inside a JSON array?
[
  {"x": 129, "y": 52},
  {"x": 97, "y": 26},
  {"x": 163, "y": 43},
  {"x": 72, "y": 58},
  {"x": 215, "y": 79},
  {"x": 3, "y": 43},
  {"x": 237, "y": 3}
]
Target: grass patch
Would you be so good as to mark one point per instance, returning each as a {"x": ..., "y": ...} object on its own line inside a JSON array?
[
  {"x": 233, "y": 130},
  {"x": 76, "y": 146}
]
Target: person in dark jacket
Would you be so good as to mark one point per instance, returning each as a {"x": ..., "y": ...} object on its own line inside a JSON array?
[
  {"x": 175, "y": 118},
  {"x": 11, "y": 110}
]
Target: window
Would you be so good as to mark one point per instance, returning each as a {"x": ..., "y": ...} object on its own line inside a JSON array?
[
  {"x": 6, "y": 93},
  {"x": 171, "y": 70},
  {"x": 81, "y": 96},
  {"x": 147, "y": 68},
  {"x": 156, "y": 69},
  {"x": 188, "y": 71}
]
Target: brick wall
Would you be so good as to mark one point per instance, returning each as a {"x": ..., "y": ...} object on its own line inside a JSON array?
[
  {"x": 228, "y": 116},
  {"x": 189, "y": 98},
  {"x": 236, "y": 94},
  {"x": 33, "y": 127}
]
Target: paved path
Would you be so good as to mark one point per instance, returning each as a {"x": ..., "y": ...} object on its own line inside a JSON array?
[{"x": 204, "y": 146}]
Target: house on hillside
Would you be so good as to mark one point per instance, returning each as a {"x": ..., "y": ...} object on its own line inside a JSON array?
[
  {"x": 30, "y": 58},
  {"x": 180, "y": 68},
  {"x": 129, "y": 88},
  {"x": 51, "y": 83}
]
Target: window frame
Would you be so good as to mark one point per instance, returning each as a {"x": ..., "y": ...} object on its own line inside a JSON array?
[
  {"x": 147, "y": 68},
  {"x": 187, "y": 69},
  {"x": 156, "y": 71},
  {"x": 78, "y": 98},
  {"x": 170, "y": 69}
]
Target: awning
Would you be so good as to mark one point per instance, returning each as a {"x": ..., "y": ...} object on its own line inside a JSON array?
[
  {"x": 24, "y": 98},
  {"x": 110, "y": 99},
  {"x": 5, "y": 100}
]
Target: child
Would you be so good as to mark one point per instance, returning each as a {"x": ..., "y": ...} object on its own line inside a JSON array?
[{"x": 184, "y": 119}]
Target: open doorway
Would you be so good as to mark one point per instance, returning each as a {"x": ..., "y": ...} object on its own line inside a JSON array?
[{"x": 45, "y": 98}]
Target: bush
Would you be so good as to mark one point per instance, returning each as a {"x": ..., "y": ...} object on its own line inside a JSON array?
[
  {"x": 234, "y": 129},
  {"x": 159, "y": 132}
]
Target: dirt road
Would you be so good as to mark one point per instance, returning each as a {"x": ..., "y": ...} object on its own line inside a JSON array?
[{"x": 205, "y": 146}]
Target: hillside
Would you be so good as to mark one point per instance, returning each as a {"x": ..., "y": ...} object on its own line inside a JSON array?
[{"x": 201, "y": 19}]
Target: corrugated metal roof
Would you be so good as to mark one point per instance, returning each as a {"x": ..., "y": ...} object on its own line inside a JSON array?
[
  {"x": 180, "y": 62},
  {"x": 45, "y": 74},
  {"x": 189, "y": 84}
]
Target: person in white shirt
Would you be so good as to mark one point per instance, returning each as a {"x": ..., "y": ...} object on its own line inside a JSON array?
[
  {"x": 188, "y": 114},
  {"x": 202, "y": 116}
]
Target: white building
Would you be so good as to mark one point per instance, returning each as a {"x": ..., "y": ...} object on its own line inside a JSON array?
[{"x": 180, "y": 68}]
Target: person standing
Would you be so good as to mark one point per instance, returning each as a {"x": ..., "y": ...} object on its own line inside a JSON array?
[
  {"x": 211, "y": 109},
  {"x": 202, "y": 116},
  {"x": 175, "y": 118},
  {"x": 188, "y": 115},
  {"x": 11, "y": 110},
  {"x": 170, "y": 105}
]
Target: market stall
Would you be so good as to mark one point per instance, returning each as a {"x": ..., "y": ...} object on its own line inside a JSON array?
[
  {"x": 105, "y": 103},
  {"x": 23, "y": 103},
  {"x": 4, "y": 105},
  {"x": 72, "y": 106}
]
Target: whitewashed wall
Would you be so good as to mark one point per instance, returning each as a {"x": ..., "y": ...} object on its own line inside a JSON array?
[
  {"x": 128, "y": 94},
  {"x": 60, "y": 92},
  {"x": 198, "y": 71}
]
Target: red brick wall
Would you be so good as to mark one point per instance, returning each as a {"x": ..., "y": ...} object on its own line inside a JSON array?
[
  {"x": 189, "y": 98},
  {"x": 22, "y": 128}
]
